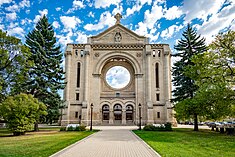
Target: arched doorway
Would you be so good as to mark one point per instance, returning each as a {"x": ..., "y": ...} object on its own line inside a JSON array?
[
  {"x": 117, "y": 111},
  {"x": 105, "y": 112},
  {"x": 129, "y": 114}
]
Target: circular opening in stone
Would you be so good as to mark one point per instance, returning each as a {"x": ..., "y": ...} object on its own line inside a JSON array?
[{"x": 118, "y": 77}]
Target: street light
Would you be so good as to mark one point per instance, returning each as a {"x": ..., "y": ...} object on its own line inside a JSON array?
[
  {"x": 91, "y": 116},
  {"x": 140, "y": 116}
]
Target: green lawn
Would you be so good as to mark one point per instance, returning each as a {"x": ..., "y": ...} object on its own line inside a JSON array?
[
  {"x": 41, "y": 144},
  {"x": 187, "y": 143}
]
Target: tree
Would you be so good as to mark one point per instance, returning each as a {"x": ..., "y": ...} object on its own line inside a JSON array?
[
  {"x": 187, "y": 47},
  {"x": 46, "y": 75},
  {"x": 13, "y": 56},
  {"x": 213, "y": 73},
  {"x": 21, "y": 111}
]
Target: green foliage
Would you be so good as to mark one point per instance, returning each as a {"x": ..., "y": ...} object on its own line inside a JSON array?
[
  {"x": 70, "y": 128},
  {"x": 46, "y": 75},
  {"x": 189, "y": 46},
  {"x": 165, "y": 127},
  {"x": 214, "y": 75},
  {"x": 13, "y": 60},
  {"x": 21, "y": 111},
  {"x": 62, "y": 128}
]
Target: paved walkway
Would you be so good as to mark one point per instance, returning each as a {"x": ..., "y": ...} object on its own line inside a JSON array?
[{"x": 110, "y": 142}]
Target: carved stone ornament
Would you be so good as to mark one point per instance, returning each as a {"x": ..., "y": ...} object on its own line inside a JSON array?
[
  {"x": 118, "y": 37},
  {"x": 138, "y": 54},
  {"x": 97, "y": 54}
]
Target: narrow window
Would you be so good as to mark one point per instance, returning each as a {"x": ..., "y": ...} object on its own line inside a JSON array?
[
  {"x": 159, "y": 53},
  {"x": 158, "y": 97},
  {"x": 82, "y": 53},
  {"x": 77, "y": 96},
  {"x": 154, "y": 53},
  {"x": 157, "y": 75},
  {"x": 158, "y": 114},
  {"x": 76, "y": 52},
  {"x": 117, "y": 94},
  {"x": 78, "y": 74},
  {"x": 76, "y": 114}
]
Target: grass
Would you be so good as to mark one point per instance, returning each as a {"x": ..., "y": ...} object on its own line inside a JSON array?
[
  {"x": 41, "y": 144},
  {"x": 188, "y": 143}
]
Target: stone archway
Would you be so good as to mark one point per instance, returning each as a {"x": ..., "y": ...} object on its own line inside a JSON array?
[{"x": 117, "y": 112}]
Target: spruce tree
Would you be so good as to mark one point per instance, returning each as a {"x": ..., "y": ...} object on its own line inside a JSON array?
[
  {"x": 46, "y": 75},
  {"x": 190, "y": 45}
]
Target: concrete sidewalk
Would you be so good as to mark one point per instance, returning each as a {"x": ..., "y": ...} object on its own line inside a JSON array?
[{"x": 109, "y": 142}]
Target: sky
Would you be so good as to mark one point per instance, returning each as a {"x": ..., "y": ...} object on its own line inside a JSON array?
[{"x": 162, "y": 21}]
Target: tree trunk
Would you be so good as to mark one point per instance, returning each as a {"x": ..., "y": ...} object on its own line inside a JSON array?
[
  {"x": 195, "y": 123},
  {"x": 36, "y": 126}
]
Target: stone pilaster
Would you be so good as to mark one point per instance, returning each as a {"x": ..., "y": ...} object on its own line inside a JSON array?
[{"x": 149, "y": 85}]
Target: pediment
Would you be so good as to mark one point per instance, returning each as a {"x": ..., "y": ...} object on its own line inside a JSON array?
[{"x": 118, "y": 34}]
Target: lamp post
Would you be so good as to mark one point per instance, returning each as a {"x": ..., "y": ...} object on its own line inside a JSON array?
[
  {"x": 91, "y": 116},
  {"x": 140, "y": 116}
]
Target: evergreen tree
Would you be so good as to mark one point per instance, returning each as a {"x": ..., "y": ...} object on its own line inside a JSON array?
[
  {"x": 46, "y": 75},
  {"x": 190, "y": 45}
]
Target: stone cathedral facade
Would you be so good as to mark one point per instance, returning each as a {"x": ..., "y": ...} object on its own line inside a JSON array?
[{"x": 147, "y": 88}]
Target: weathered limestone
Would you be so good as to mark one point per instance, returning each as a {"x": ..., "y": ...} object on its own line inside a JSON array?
[{"x": 150, "y": 79}]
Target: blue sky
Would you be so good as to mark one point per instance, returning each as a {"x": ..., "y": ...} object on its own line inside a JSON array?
[{"x": 161, "y": 20}]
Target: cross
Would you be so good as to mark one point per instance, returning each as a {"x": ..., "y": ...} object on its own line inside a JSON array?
[{"x": 118, "y": 18}]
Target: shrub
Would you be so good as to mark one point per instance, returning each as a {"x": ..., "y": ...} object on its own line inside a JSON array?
[
  {"x": 70, "y": 128},
  {"x": 63, "y": 129},
  {"x": 77, "y": 128},
  {"x": 166, "y": 127},
  {"x": 82, "y": 128}
]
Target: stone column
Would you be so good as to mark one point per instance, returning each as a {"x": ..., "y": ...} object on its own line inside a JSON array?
[
  {"x": 111, "y": 116},
  {"x": 167, "y": 78},
  {"x": 85, "y": 103},
  {"x": 149, "y": 85},
  {"x": 68, "y": 57},
  {"x": 124, "y": 116}
]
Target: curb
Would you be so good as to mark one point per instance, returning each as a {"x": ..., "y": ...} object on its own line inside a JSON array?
[
  {"x": 152, "y": 150},
  {"x": 72, "y": 145}
]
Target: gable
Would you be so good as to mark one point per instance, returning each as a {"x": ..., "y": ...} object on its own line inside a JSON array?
[{"x": 118, "y": 34}]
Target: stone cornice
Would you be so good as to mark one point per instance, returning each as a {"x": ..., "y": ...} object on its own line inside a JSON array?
[{"x": 117, "y": 46}]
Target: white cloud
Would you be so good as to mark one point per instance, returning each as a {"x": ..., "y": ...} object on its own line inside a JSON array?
[
  {"x": 169, "y": 32},
  {"x": 151, "y": 17},
  {"x": 200, "y": 9},
  {"x": 16, "y": 8},
  {"x": 91, "y": 14},
  {"x": 106, "y": 3},
  {"x": 70, "y": 22},
  {"x": 11, "y": 16},
  {"x": 2, "y": 27},
  {"x": 138, "y": 5},
  {"x": 118, "y": 9},
  {"x": 76, "y": 5},
  {"x": 41, "y": 12},
  {"x": 106, "y": 19},
  {"x": 81, "y": 37},
  {"x": 27, "y": 11},
  {"x": 25, "y": 21},
  {"x": 16, "y": 31},
  {"x": 118, "y": 77},
  {"x": 142, "y": 29},
  {"x": 172, "y": 13},
  {"x": 217, "y": 22},
  {"x": 58, "y": 8},
  {"x": 56, "y": 24},
  {"x": 5, "y": 1},
  {"x": 64, "y": 40}
]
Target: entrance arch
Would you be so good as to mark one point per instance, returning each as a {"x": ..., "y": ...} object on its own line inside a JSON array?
[
  {"x": 105, "y": 112},
  {"x": 129, "y": 113}
]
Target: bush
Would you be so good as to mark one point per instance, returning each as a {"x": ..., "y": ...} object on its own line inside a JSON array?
[
  {"x": 166, "y": 127},
  {"x": 63, "y": 129},
  {"x": 71, "y": 128},
  {"x": 82, "y": 128}
]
